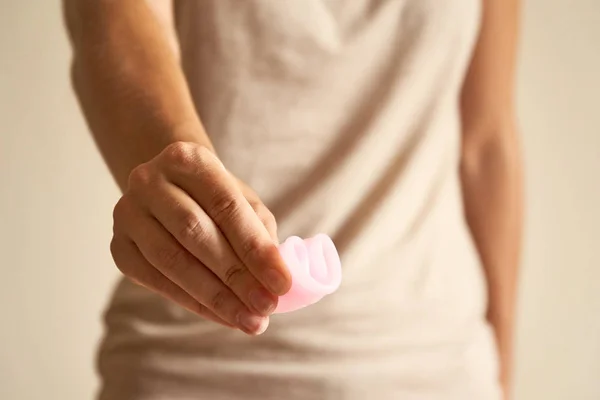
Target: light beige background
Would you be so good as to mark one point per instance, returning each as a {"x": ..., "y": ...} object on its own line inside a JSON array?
[{"x": 56, "y": 200}]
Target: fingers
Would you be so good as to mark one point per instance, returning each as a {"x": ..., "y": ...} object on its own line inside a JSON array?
[
  {"x": 194, "y": 169},
  {"x": 263, "y": 213},
  {"x": 209, "y": 238},
  {"x": 131, "y": 262},
  {"x": 266, "y": 217},
  {"x": 173, "y": 261},
  {"x": 199, "y": 235}
]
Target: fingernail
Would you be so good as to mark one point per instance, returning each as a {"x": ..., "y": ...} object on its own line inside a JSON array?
[
  {"x": 276, "y": 281},
  {"x": 262, "y": 301},
  {"x": 253, "y": 323}
]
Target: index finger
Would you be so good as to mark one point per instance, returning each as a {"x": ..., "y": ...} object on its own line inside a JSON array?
[{"x": 216, "y": 191}]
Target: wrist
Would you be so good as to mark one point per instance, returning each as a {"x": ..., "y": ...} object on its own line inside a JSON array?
[{"x": 190, "y": 131}]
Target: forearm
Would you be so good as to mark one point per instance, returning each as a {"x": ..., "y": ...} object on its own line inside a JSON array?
[
  {"x": 128, "y": 82},
  {"x": 491, "y": 180}
]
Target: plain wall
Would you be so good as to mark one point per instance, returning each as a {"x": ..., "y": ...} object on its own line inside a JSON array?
[
  {"x": 56, "y": 202},
  {"x": 558, "y": 350}
]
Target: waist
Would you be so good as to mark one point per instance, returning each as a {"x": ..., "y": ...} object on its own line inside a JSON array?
[{"x": 400, "y": 300}]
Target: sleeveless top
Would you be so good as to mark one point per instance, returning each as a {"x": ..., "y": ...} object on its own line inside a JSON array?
[{"x": 343, "y": 115}]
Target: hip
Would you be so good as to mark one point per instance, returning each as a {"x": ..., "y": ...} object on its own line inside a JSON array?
[{"x": 153, "y": 350}]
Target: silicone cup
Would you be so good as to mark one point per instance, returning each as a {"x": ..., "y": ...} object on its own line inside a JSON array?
[{"x": 315, "y": 268}]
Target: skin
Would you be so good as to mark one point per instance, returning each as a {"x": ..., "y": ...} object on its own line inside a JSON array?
[
  {"x": 190, "y": 231},
  {"x": 184, "y": 227},
  {"x": 491, "y": 169}
]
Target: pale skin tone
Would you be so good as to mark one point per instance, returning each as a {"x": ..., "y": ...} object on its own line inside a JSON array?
[{"x": 189, "y": 230}]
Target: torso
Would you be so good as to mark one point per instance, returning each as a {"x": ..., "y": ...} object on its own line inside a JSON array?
[{"x": 343, "y": 116}]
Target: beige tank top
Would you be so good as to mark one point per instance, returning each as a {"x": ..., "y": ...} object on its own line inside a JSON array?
[{"x": 344, "y": 116}]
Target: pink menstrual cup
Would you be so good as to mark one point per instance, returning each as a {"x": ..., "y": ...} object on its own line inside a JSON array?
[{"x": 315, "y": 268}]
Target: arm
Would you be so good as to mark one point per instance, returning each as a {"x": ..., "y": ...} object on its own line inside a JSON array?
[
  {"x": 128, "y": 82},
  {"x": 184, "y": 227},
  {"x": 491, "y": 167}
]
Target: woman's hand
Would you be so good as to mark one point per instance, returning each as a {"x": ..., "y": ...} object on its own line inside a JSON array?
[{"x": 188, "y": 230}]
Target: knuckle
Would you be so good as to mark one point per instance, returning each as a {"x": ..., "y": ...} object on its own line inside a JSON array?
[
  {"x": 251, "y": 248},
  {"x": 192, "y": 229},
  {"x": 233, "y": 274},
  {"x": 207, "y": 160},
  {"x": 140, "y": 177},
  {"x": 218, "y": 300},
  {"x": 204, "y": 153},
  {"x": 182, "y": 157},
  {"x": 180, "y": 153},
  {"x": 171, "y": 258},
  {"x": 197, "y": 308},
  {"x": 223, "y": 208}
]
